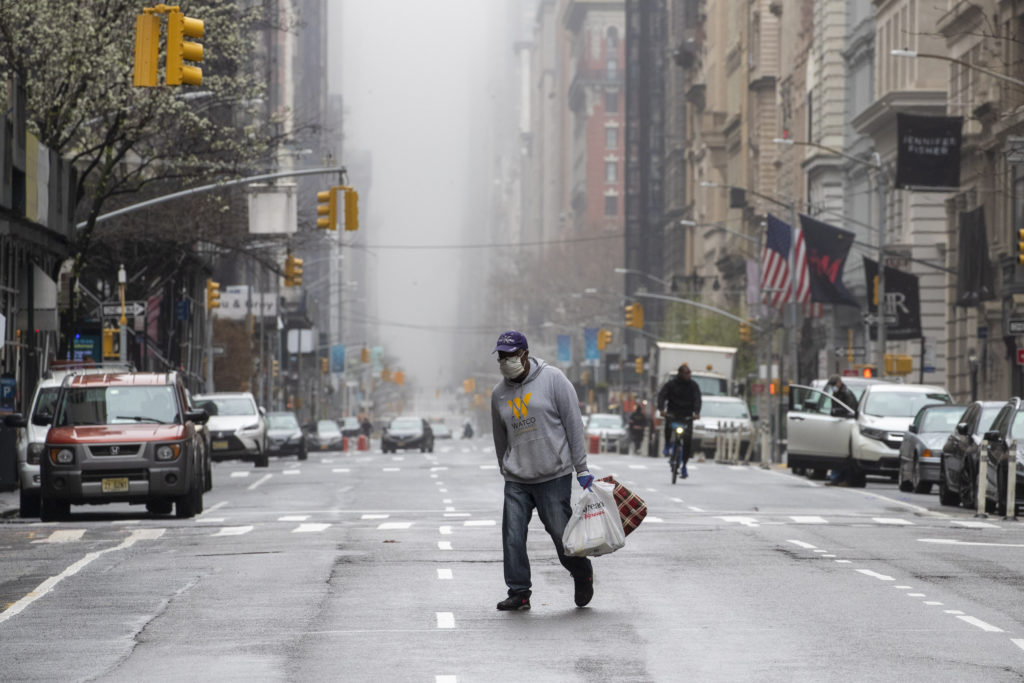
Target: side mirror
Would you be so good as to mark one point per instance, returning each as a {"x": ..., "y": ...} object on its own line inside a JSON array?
[
  {"x": 15, "y": 420},
  {"x": 962, "y": 429},
  {"x": 992, "y": 435},
  {"x": 913, "y": 428},
  {"x": 197, "y": 416},
  {"x": 42, "y": 419},
  {"x": 263, "y": 411}
]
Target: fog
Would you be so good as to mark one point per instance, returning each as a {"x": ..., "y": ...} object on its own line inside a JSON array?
[{"x": 417, "y": 82}]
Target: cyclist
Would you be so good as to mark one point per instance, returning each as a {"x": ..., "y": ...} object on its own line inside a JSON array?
[{"x": 679, "y": 401}]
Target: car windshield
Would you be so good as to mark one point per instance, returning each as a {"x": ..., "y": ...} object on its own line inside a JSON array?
[
  {"x": 406, "y": 423},
  {"x": 941, "y": 419},
  {"x": 604, "y": 422},
  {"x": 282, "y": 422},
  {"x": 117, "y": 405},
  {"x": 723, "y": 409},
  {"x": 350, "y": 423},
  {"x": 46, "y": 402},
  {"x": 900, "y": 403},
  {"x": 327, "y": 427},
  {"x": 711, "y": 386},
  {"x": 441, "y": 429},
  {"x": 988, "y": 416},
  {"x": 229, "y": 406},
  {"x": 1017, "y": 428}
]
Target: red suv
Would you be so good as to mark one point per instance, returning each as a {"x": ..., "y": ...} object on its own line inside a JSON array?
[{"x": 123, "y": 437}]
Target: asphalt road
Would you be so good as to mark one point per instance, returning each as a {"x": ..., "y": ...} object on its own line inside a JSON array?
[{"x": 361, "y": 566}]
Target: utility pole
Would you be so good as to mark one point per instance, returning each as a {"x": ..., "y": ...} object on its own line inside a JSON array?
[{"x": 880, "y": 182}]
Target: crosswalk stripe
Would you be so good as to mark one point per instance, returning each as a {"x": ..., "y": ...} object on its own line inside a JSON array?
[
  {"x": 243, "y": 473},
  {"x": 234, "y": 531},
  {"x": 293, "y": 518},
  {"x": 808, "y": 519},
  {"x": 893, "y": 520},
  {"x": 309, "y": 528},
  {"x": 394, "y": 525},
  {"x": 63, "y": 536},
  {"x": 972, "y": 524}
]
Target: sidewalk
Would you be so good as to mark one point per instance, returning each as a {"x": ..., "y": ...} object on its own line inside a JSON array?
[{"x": 8, "y": 504}]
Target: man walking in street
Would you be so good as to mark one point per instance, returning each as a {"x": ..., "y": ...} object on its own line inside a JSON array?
[
  {"x": 637, "y": 424},
  {"x": 538, "y": 439}
]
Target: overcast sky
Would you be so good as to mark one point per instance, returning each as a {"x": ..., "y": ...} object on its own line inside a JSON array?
[{"x": 412, "y": 75}]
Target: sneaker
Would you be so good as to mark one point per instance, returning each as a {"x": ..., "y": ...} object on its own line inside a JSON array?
[
  {"x": 584, "y": 590},
  {"x": 516, "y": 601},
  {"x": 682, "y": 472}
]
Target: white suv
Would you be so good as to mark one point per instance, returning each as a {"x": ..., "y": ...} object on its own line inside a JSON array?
[
  {"x": 822, "y": 433},
  {"x": 237, "y": 426}
]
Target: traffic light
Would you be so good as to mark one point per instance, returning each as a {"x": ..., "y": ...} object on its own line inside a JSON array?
[
  {"x": 874, "y": 291},
  {"x": 385, "y": 375},
  {"x": 744, "y": 332},
  {"x": 351, "y": 208},
  {"x": 639, "y": 365},
  {"x": 1020, "y": 246},
  {"x": 212, "y": 294},
  {"x": 868, "y": 371},
  {"x": 323, "y": 365},
  {"x": 327, "y": 209},
  {"x": 635, "y": 316},
  {"x": 275, "y": 368},
  {"x": 604, "y": 338},
  {"x": 469, "y": 385},
  {"x": 180, "y": 27},
  {"x": 292, "y": 271},
  {"x": 147, "y": 50},
  {"x": 364, "y": 355},
  {"x": 109, "y": 350},
  {"x": 398, "y": 377}
]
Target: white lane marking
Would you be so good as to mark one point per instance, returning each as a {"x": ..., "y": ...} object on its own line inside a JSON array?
[
  {"x": 437, "y": 469},
  {"x": 972, "y": 524},
  {"x": 635, "y": 467},
  {"x": 239, "y": 474},
  {"x": 953, "y": 611},
  {"x": 953, "y": 541},
  {"x": 391, "y": 469},
  {"x": 652, "y": 490},
  {"x": 446, "y": 500},
  {"x": 394, "y": 525},
  {"x": 844, "y": 561},
  {"x": 745, "y": 521},
  {"x": 983, "y": 625},
  {"x": 444, "y": 545},
  {"x": 802, "y": 544},
  {"x": 434, "y": 476},
  {"x": 444, "y": 573},
  {"x": 259, "y": 481},
  {"x": 676, "y": 500},
  {"x": 293, "y": 518},
  {"x": 652, "y": 518},
  {"x": 449, "y": 509},
  {"x": 48, "y": 585},
  {"x": 932, "y": 602},
  {"x": 374, "y": 516},
  {"x": 398, "y": 457},
  {"x": 896, "y": 521},
  {"x": 1019, "y": 642},
  {"x": 445, "y": 530},
  {"x": 828, "y": 556},
  {"x": 309, "y": 528},
  {"x": 63, "y": 536},
  {"x": 486, "y": 467},
  {"x": 340, "y": 470},
  {"x": 808, "y": 519},
  {"x": 915, "y": 595},
  {"x": 445, "y": 620},
  {"x": 448, "y": 679},
  {"x": 326, "y": 461},
  {"x": 918, "y": 508},
  {"x": 875, "y": 575},
  {"x": 819, "y": 550},
  {"x": 695, "y": 508},
  {"x": 480, "y": 522},
  {"x": 439, "y": 483},
  {"x": 208, "y": 520},
  {"x": 902, "y": 588},
  {"x": 457, "y": 514},
  {"x": 442, "y": 490},
  {"x": 293, "y": 471},
  {"x": 233, "y": 531},
  {"x": 210, "y": 509},
  {"x": 122, "y": 522}
]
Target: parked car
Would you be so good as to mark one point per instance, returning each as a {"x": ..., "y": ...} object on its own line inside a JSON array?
[
  {"x": 121, "y": 437},
  {"x": 610, "y": 428},
  {"x": 958, "y": 468},
  {"x": 441, "y": 430},
  {"x": 823, "y": 433},
  {"x": 31, "y": 438},
  {"x": 350, "y": 426},
  {"x": 237, "y": 426},
  {"x": 326, "y": 436},
  {"x": 921, "y": 451},
  {"x": 285, "y": 436},
  {"x": 1004, "y": 443},
  {"x": 408, "y": 432},
  {"x": 718, "y": 413}
]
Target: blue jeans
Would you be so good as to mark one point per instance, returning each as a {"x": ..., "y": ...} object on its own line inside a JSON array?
[{"x": 552, "y": 500}]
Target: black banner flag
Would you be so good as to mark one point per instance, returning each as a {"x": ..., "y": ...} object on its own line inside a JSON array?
[
  {"x": 902, "y": 302},
  {"x": 827, "y": 247},
  {"x": 928, "y": 152}
]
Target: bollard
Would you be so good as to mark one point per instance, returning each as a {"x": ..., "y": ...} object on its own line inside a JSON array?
[
  {"x": 344, "y": 443},
  {"x": 1011, "y": 484},
  {"x": 765, "y": 448},
  {"x": 719, "y": 455},
  {"x": 982, "y": 484},
  {"x": 594, "y": 445},
  {"x": 363, "y": 443},
  {"x": 746, "y": 455},
  {"x": 734, "y": 454}
]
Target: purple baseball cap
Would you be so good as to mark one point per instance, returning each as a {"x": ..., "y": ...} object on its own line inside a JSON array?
[{"x": 511, "y": 341}]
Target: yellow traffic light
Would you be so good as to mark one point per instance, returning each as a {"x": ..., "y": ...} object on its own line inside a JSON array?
[
  {"x": 327, "y": 209},
  {"x": 351, "y": 208},
  {"x": 275, "y": 367},
  {"x": 180, "y": 27},
  {"x": 469, "y": 385},
  {"x": 398, "y": 377},
  {"x": 212, "y": 294},
  {"x": 635, "y": 316},
  {"x": 1020, "y": 246},
  {"x": 323, "y": 365},
  {"x": 639, "y": 365},
  {"x": 292, "y": 271},
  {"x": 745, "y": 332},
  {"x": 385, "y": 375},
  {"x": 364, "y": 355},
  {"x": 874, "y": 291},
  {"x": 604, "y": 338},
  {"x": 147, "y": 50},
  {"x": 109, "y": 334}
]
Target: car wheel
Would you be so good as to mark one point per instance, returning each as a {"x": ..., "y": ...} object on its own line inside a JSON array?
[
  {"x": 904, "y": 485},
  {"x": 1000, "y": 506},
  {"x": 159, "y": 507},
  {"x": 261, "y": 459},
  {"x": 51, "y": 510},
  {"x": 303, "y": 452},
  {"x": 208, "y": 476},
  {"x": 968, "y": 487},
  {"x": 919, "y": 485},
  {"x": 191, "y": 504},
  {"x": 946, "y": 497},
  {"x": 28, "y": 503},
  {"x": 799, "y": 471},
  {"x": 817, "y": 473}
]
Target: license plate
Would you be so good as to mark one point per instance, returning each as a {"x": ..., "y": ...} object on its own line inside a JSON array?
[
  {"x": 220, "y": 445},
  {"x": 116, "y": 485}
]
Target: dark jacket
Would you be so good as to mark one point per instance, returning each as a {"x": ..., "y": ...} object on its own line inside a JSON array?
[
  {"x": 846, "y": 396},
  {"x": 637, "y": 420},
  {"x": 681, "y": 397}
]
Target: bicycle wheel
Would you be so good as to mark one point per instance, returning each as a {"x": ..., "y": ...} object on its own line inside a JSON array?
[{"x": 673, "y": 462}]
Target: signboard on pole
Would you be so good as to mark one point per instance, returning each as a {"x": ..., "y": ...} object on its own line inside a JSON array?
[{"x": 132, "y": 309}]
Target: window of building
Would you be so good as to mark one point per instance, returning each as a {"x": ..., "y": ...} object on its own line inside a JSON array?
[
  {"x": 611, "y": 103},
  {"x": 613, "y": 68},
  {"x": 611, "y": 205},
  {"x": 1018, "y": 200},
  {"x": 613, "y": 39},
  {"x": 611, "y": 137},
  {"x": 611, "y": 171}
]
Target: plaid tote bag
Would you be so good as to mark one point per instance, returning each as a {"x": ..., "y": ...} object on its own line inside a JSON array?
[{"x": 632, "y": 508}]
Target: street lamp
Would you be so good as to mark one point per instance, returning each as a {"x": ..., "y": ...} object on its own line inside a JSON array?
[
  {"x": 913, "y": 54},
  {"x": 972, "y": 360},
  {"x": 663, "y": 283},
  {"x": 122, "y": 280}
]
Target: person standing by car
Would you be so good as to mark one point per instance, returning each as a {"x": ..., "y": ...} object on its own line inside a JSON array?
[
  {"x": 637, "y": 425},
  {"x": 679, "y": 400},
  {"x": 538, "y": 439},
  {"x": 841, "y": 476},
  {"x": 366, "y": 427}
]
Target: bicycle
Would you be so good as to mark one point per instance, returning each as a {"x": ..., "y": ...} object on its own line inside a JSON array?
[{"x": 676, "y": 461}]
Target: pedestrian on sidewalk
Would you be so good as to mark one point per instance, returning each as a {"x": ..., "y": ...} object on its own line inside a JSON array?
[{"x": 538, "y": 439}]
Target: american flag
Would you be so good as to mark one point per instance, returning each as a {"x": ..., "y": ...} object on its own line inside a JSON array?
[{"x": 776, "y": 283}]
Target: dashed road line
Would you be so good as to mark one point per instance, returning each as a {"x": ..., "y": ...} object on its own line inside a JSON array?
[
  {"x": 895, "y": 521},
  {"x": 444, "y": 574},
  {"x": 234, "y": 531},
  {"x": 983, "y": 625},
  {"x": 802, "y": 544},
  {"x": 444, "y": 530},
  {"x": 371, "y": 515},
  {"x": 875, "y": 575},
  {"x": 310, "y": 528},
  {"x": 256, "y": 483},
  {"x": 444, "y": 545},
  {"x": 244, "y": 473},
  {"x": 973, "y": 524},
  {"x": 808, "y": 519},
  {"x": 63, "y": 536},
  {"x": 293, "y": 518},
  {"x": 445, "y": 620},
  {"x": 394, "y": 525},
  {"x": 480, "y": 522}
]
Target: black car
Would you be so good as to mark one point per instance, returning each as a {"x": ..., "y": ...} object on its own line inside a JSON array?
[
  {"x": 285, "y": 436},
  {"x": 407, "y": 433},
  {"x": 921, "y": 448},
  {"x": 325, "y": 435},
  {"x": 958, "y": 468},
  {"x": 1003, "y": 444}
]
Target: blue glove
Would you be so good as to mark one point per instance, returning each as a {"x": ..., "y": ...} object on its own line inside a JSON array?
[{"x": 585, "y": 478}]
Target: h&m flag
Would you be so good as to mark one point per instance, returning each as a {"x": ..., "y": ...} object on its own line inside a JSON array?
[
  {"x": 974, "y": 281},
  {"x": 827, "y": 247},
  {"x": 776, "y": 283},
  {"x": 564, "y": 348},
  {"x": 928, "y": 151},
  {"x": 590, "y": 353},
  {"x": 902, "y": 308}
]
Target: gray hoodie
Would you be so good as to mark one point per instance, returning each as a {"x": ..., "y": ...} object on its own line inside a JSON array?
[{"x": 538, "y": 430}]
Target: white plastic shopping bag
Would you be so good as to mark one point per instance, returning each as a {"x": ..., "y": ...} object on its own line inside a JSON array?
[{"x": 594, "y": 528}]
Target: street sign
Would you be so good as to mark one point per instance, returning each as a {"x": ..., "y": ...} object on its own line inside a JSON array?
[
  {"x": 757, "y": 388},
  {"x": 132, "y": 309},
  {"x": 850, "y": 373},
  {"x": 1020, "y": 356},
  {"x": 219, "y": 350},
  {"x": 1016, "y": 326}
]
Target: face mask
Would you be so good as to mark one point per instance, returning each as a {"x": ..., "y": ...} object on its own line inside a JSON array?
[{"x": 511, "y": 367}]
